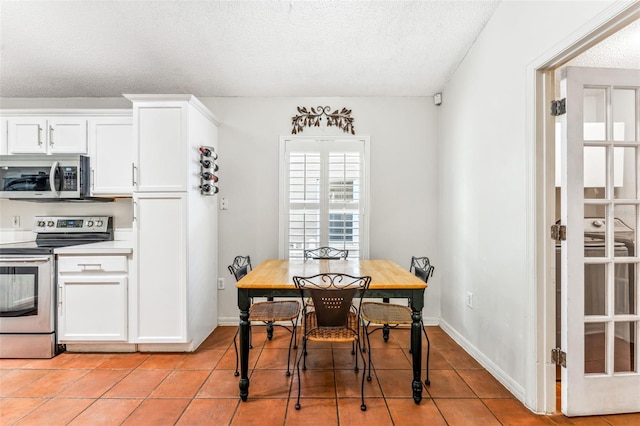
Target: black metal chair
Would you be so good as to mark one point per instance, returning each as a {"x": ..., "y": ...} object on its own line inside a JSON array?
[
  {"x": 393, "y": 315},
  {"x": 326, "y": 253},
  {"x": 268, "y": 312},
  {"x": 331, "y": 319}
]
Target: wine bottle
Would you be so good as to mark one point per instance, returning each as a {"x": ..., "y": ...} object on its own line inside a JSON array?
[{"x": 209, "y": 176}]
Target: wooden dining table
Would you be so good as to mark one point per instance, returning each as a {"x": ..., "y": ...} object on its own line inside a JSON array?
[{"x": 274, "y": 278}]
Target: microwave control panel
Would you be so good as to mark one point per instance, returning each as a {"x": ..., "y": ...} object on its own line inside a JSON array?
[{"x": 69, "y": 178}]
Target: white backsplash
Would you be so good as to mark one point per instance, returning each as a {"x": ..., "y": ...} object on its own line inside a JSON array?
[{"x": 121, "y": 210}]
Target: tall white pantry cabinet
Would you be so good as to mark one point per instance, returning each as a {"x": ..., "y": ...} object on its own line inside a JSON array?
[{"x": 174, "y": 292}]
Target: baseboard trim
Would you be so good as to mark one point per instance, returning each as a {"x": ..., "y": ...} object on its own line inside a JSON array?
[{"x": 490, "y": 366}]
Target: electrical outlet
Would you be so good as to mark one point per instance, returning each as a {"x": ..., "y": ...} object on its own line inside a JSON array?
[
  {"x": 16, "y": 221},
  {"x": 220, "y": 283},
  {"x": 469, "y": 299}
]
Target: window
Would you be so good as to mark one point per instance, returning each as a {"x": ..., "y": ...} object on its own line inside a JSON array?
[{"x": 323, "y": 195}]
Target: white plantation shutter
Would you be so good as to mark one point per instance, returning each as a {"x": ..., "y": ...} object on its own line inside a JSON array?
[
  {"x": 304, "y": 202},
  {"x": 323, "y": 196},
  {"x": 344, "y": 201}
]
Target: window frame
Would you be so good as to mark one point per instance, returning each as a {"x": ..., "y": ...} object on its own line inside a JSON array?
[{"x": 363, "y": 204}]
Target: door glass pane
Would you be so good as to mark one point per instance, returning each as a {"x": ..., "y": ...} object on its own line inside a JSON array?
[
  {"x": 595, "y": 231},
  {"x": 624, "y": 347},
  {"x": 595, "y": 289},
  {"x": 624, "y": 113},
  {"x": 595, "y": 345},
  {"x": 595, "y": 171},
  {"x": 625, "y": 288},
  {"x": 593, "y": 212},
  {"x": 595, "y": 109},
  {"x": 625, "y": 219},
  {"x": 625, "y": 172}
]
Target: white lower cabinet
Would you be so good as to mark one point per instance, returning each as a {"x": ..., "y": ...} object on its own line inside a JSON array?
[
  {"x": 160, "y": 257},
  {"x": 92, "y": 298}
]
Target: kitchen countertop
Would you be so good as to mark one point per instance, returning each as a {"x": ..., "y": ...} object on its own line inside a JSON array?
[{"x": 105, "y": 247}]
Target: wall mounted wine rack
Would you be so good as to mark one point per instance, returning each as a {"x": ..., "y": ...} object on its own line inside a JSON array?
[{"x": 208, "y": 170}]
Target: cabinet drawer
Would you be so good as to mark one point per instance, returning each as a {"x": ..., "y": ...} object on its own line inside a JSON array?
[{"x": 92, "y": 264}]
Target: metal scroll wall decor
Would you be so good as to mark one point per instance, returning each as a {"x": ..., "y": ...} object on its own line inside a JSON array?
[{"x": 312, "y": 118}]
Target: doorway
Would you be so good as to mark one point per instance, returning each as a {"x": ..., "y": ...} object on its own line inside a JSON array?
[{"x": 547, "y": 84}]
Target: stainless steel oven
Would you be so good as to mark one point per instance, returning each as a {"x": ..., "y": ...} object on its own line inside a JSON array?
[
  {"x": 27, "y": 311},
  {"x": 28, "y": 282}
]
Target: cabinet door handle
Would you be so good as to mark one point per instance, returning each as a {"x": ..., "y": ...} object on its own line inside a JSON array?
[
  {"x": 92, "y": 266},
  {"x": 93, "y": 178},
  {"x": 51, "y": 135},
  {"x": 60, "y": 295},
  {"x": 135, "y": 205},
  {"x": 39, "y": 136},
  {"x": 133, "y": 174}
]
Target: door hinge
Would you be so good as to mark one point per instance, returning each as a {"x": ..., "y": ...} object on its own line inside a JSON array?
[
  {"x": 559, "y": 357},
  {"x": 559, "y": 232},
  {"x": 559, "y": 107}
]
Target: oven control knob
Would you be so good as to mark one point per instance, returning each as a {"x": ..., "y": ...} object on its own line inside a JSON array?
[
  {"x": 41, "y": 223},
  {"x": 50, "y": 223},
  {"x": 90, "y": 223},
  {"x": 99, "y": 224}
]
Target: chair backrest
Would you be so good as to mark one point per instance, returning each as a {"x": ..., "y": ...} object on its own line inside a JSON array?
[
  {"x": 326, "y": 253},
  {"x": 240, "y": 267},
  {"x": 421, "y": 267},
  {"x": 332, "y": 295}
]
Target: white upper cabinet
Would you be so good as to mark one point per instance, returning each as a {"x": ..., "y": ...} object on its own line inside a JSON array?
[
  {"x": 161, "y": 154},
  {"x": 47, "y": 135},
  {"x": 164, "y": 128},
  {"x": 111, "y": 153}
]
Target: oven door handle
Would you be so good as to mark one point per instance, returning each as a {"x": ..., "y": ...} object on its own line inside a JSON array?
[
  {"x": 25, "y": 259},
  {"x": 52, "y": 178}
]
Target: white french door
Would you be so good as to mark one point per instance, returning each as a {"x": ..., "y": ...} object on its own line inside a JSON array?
[
  {"x": 323, "y": 193},
  {"x": 600, "y": 206}
]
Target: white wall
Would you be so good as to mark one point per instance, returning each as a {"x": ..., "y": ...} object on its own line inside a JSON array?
[
  {"x": 486, "y": 205},
  {"x": 404, "y": 173}
]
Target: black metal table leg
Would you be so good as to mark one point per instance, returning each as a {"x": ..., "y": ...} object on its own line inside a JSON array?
[
  {"x": 416, "y": 352},
  {"x": 245, "y": 327},
  {"x": 270, "y": 324},
  {"x": 385, "y": 327}
]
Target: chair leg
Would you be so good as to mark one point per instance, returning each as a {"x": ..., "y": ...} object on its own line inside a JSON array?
[
  {"x": 363, "y": 407},
  {"x": 235, "y": 346},
  {"x": 302, "y": 354},
  {"x": 427, "y": 381},
  {"x": 366, "y": 333},
  {"x": 293, "y": 336}
]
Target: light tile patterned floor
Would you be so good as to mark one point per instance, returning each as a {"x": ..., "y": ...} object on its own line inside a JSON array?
[{"x": 200, "y": 388}]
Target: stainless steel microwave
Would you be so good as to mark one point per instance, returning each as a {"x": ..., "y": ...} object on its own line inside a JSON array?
[{"x": 45, "y": 177}]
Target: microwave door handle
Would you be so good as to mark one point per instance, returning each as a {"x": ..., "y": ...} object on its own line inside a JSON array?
[{"x": 52, "y": 179}]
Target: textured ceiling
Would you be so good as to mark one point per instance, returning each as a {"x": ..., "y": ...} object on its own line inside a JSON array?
[
  {"x": 234, "y": 48},
  {"x": 620, "y": 50}
]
